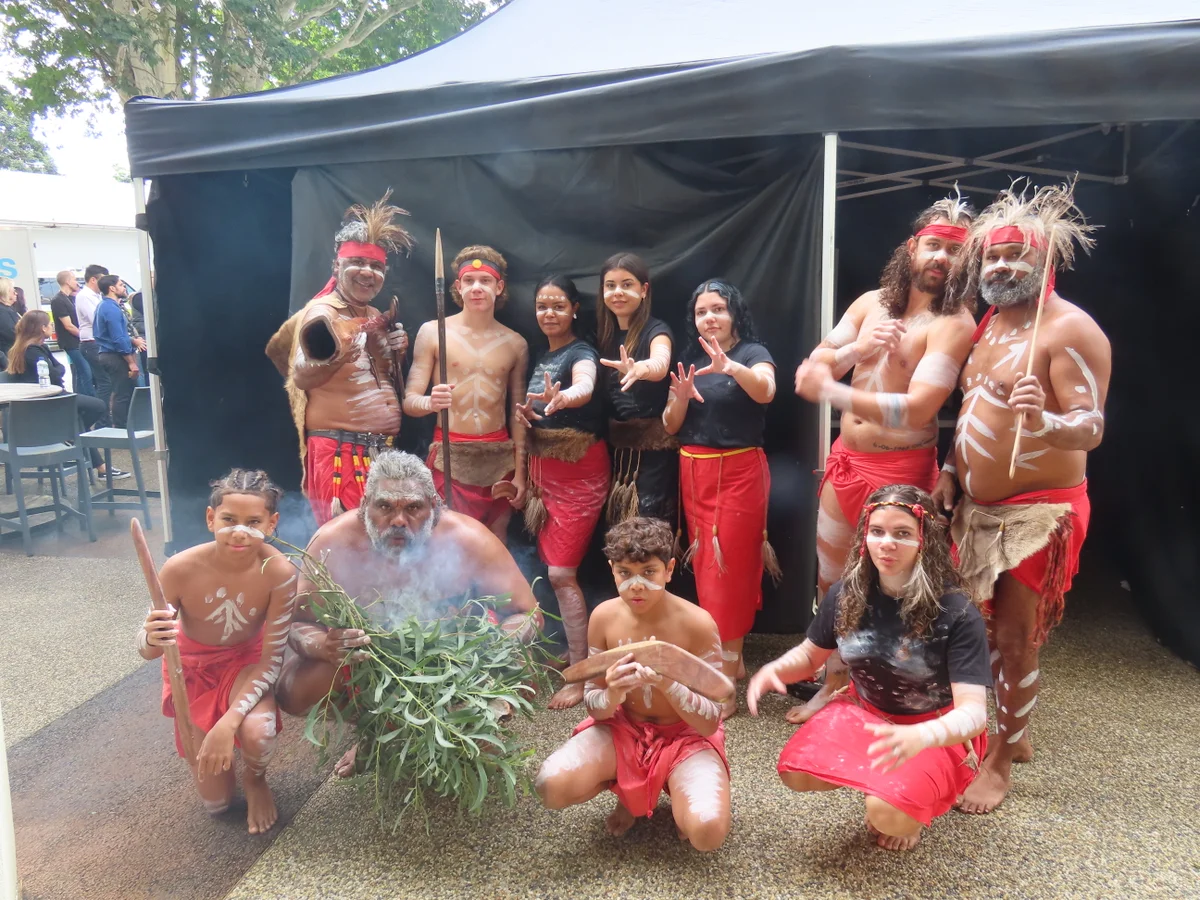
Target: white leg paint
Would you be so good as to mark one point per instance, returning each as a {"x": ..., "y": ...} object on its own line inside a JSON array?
[{"x": 700, "y": 779}]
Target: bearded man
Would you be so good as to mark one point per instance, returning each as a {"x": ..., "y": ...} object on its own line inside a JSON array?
[
  {"x": 341, "y": 358},
  {"x": 905, "y": 344},
  {"x": 401, "y": 554},
  {"x": 1018, "y": 539}
]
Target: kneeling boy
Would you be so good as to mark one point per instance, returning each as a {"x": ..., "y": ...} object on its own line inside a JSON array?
[
  {"x": 646, "y": 731},
  {"x": 234, "y": 599}
]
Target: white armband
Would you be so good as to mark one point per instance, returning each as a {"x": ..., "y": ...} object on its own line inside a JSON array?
[
  {"x": 955, "y": 727},
  {"x": 690, "y": 702},
  {"x": 938, "y": 369}
]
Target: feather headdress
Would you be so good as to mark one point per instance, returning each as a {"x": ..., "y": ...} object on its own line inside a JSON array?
[{"x": 374, "y": 225}]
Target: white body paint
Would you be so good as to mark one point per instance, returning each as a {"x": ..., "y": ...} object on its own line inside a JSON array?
[
  {"x": 582, "y": 749},
  {"x": 690, "y": 702},
  {"x": 244, "y": 529},
  {"x": 888, "y": 539},
  {"x": 700, "y": 779},
  {"x": 229, "y": 613},
  {"x": 1013, "y": 266},
  {"x": 1028, "y": 679},
  {"x": 638, "y": 581},
  {"x": 844, "y": 333},
  {"x": 939, "y": 369}
]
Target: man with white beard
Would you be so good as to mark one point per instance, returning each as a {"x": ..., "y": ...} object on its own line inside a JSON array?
[{"x": 400, "y": 554}]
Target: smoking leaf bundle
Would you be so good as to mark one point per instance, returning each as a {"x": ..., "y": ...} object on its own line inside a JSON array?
[{"x": 431, "y": 704}]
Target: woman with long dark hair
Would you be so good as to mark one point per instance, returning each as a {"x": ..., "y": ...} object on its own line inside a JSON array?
[
  {"x": 28, "y": 348},
  {"x": 717, "y": 407},
  {"x": 636, "y": 350},
  {"x": 910, "y": 732},
  {"x": 567, "y": 459}
]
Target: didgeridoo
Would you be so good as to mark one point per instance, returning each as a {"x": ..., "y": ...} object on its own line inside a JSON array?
[
  {"x": 665, "y": 659},
  {"x": 183, "y": 715}
]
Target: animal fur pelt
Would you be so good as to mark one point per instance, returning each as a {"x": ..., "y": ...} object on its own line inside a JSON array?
[
  {"x": 568, "y": 445},
  {"x": 640, "y": 434},
  {"x": 994, "y": 539},
  {"x": 476, "y": 463}
]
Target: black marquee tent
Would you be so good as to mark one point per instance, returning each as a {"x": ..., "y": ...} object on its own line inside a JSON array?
[{"x": 782, "y": 145}]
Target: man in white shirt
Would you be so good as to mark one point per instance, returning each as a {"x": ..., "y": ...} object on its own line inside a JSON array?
[{"x": 86, "y": 302}]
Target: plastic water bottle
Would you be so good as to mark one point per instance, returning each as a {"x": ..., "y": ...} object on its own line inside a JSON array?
[{"x": 43, "y": 373}]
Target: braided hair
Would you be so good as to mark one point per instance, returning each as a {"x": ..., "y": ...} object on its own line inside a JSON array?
[{"x": 255, "y": 482}]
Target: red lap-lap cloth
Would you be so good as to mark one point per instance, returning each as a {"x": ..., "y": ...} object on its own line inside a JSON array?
[
  {"x": 209, "y": 672},
  {"x": 471, "y": 500},
  {"x": 574, "y": 494},
  {"x": 725, "y": 500},
  {"x": 855, "y": 476},
  {"x": 323, "y": 480},
  {"x": 832, "y": 746},
  {"x": 647, "y": 754}
]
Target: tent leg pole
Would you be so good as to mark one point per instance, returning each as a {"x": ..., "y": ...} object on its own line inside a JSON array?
[
  {"x": 149, "y": 307},
  {"x": 8, "y": 844},
  {"x": 828, "y": 271}
]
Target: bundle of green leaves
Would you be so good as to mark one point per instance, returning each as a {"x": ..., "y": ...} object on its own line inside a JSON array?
[{"x": 431, "y": 704}]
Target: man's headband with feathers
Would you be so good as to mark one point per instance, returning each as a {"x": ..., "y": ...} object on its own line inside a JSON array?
[{"x": 374, "y": 225}]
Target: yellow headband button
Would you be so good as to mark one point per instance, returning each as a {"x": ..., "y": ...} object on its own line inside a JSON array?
[{"x": 477, "y": 263}]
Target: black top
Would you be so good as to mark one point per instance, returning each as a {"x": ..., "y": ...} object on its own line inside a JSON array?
[
  {"x": 899, "y": 675},
  {"x": 646, "y": 399},
  {"x": 559, "y": 363},
  {"x": 33, "y": 353},
  {"x": 9, "y": 316},
  {"x": 63, "y": 307},
  {"x": 728, "y": 418}
]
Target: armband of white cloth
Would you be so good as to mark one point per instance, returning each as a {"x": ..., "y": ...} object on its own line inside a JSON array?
[
  {"x": 938, "y": 369},
  {"x": 845, "y": 333},
  {"x": 950, "y": 469},
  {"x": 688, "y": 701},
  {"x": 954, "y": 727},
  {"x": 583, "y": 381}
]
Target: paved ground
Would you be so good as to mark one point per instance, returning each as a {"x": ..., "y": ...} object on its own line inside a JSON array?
[{"x": 1107, "y": 808}]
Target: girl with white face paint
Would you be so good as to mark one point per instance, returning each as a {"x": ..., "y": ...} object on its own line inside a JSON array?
[
  {"x": 568, "y": 459},
  {"x": 636, "y": 353},
  {"x": 646, "y": 731},
  {"x": 230, "y": 612},
  {"x": 909, "y": 733}
]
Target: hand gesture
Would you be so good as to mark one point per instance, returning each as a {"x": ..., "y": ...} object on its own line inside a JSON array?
[
  {"x": 1028, "y": 399},
  {"x": 884, "y": 337},
  {"x": 519, "y": 482},
  {"x": 764, "y": 680},
  {"x": 551, "y": 396},
  {"x": 343, "y": 645},
  {"x": 683, "y": 385},
  {"x": 161, "y": 627},
  {"x": 719, "y": 363},
  {"x": 943, "y": 496},
  {"x": 216, "y": 751},
  {"x": 811, "y": 380},
  {"x": 525, "y": 414},
  {"x": 897, "y": 744},
  {"x": 397, "y": 339},
  {"x": 631, "y": 370},
  {"x": 625, "y": 675},
  {"x": 441, "y": 397}
]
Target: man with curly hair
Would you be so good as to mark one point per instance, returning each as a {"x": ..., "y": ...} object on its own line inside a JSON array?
[
  {"x": 486, "y": 364},
  {"x": 904, "y": 345}
]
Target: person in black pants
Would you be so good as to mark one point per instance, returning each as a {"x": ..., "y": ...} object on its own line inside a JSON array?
[
  {"x": 117, "y": 354},
  {"x": 28, "y": 349}
]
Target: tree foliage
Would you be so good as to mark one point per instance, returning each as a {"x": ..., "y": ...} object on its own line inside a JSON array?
[
  {"x": 80, "y": 51},
  {"x": 20, "y": 151}
]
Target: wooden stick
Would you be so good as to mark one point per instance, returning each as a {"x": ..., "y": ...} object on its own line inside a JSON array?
[
  {"x": 439, "y": 287},
  {"x": 397, "y": 357},
  {"x": 1037, "y": 322},
  {"x": 183, "y": 715},
  {"x": 665, "y": 659}
]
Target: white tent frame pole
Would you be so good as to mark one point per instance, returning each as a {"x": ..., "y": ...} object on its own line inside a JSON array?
[
  {"x": 983, "y": 163},
  {"x": 828, "y": 271},
  {"x": 8, "y": 837},
  {"x": 149, "y": 310}
]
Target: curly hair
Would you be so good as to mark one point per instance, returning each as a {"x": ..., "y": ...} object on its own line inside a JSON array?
[
  {"x": 246, "y": 481},
  {"x": 640, "y": 539},
  {"x": 896, "y": 277},
  {"x": 488, "y": 255},
  {"x": 739, "y": 311},
  {"x": 933, "y": 575},
  {"x": 374, "y": 225}
]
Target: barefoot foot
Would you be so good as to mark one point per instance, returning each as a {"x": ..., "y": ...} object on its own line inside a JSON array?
[
  {"x": 571, "y": 695},
  {"x": 987, "y": 791},
  {"x": 890, "y": 842},
  {"x": 619, "y": 821},
  {"x": 798, "y": 715},
  {"x": 1023, "y": 751},
  {"x": 729, "y": 708},
  {"x": 261, "y": 814},
  {"x": 345, "y": 765}
]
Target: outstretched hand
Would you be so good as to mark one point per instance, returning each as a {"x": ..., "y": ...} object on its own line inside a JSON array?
[
  {"x": 719, "y": 363},
  {"x": 631, "y": 370},
  {"x": 683, "y": 385},
  {"x": 551, "y": 396},
  {"x": 765, "y": 679}
]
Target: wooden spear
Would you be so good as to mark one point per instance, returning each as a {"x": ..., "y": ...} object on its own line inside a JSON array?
[
  {"x": 183, "y": 715},
  {"x": 1037, "y": 322},
  {"x": 439, "y": 287}
]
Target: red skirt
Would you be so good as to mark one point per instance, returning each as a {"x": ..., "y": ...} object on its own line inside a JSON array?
[
  {"x": 574, "y": 494},
  {"x": 832, "y": 746},
  {"x": 855, "y": 476},
  {"x": 647, "y": 754},
  {"x": 208, "y": 674},
  {"x": 725, "y": 498},
  {"x": 469, "y": 499},
  {"x": 323, "y": 481}
]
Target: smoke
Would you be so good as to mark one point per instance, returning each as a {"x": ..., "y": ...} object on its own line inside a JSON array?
[{"x": 296, "y": 522}]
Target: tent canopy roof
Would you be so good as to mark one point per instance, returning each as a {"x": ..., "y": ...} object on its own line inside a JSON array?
[{"x": 543, "y": 74}]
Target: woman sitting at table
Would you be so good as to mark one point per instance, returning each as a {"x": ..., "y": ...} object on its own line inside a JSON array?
[{"x": 29, "y": 347}]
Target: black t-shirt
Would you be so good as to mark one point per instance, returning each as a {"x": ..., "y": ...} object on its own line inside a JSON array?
[
  {"x": 903, "y": 676},
  {"x": 728, "y": 418},
  {"x": 63, "y": 307},
  {"x": 646, "y": 399},
  {"x": 559, "y": 363},
  {"x": 8, "y": 326},
  {"x": 33, "y": 353}
]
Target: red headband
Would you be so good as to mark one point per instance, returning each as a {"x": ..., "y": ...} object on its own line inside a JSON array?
[
  {"x": 915, "y": 508},
  {"x": 1010, "y": 234},
  {"x": 479, "y": 265},
  {"x": 356, "y": 249},
  {"x": 955, "y": 233}
]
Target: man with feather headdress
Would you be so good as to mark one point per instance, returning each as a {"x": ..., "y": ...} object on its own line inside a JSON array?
[
  {"x": 1018, "y": 539},
  {"x": 341, "y": 358}
]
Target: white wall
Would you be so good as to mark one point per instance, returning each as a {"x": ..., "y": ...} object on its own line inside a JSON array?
[{"x": 76, "y": 248}]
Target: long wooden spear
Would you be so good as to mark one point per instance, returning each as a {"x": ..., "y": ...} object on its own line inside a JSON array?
[
  {"x": 1037, "y": 323},
  {"x": 179, "y": 697},
  {"x": 439, "y": 287}
]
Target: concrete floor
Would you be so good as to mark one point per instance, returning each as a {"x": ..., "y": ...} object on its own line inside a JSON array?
[{"x": 1106, "y": 809}]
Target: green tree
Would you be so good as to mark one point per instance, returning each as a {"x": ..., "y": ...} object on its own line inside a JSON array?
[
  {"x": 80, "y": 51},
  {"x": 19, "y": 149}
]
